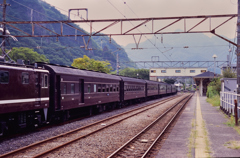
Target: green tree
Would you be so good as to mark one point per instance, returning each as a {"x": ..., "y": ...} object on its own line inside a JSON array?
[
  {"x": 26, "y": 54},
  {"x": 135, "y": 73},
  {"x": 214, "y": 87},
  {"x": 170, "y": 80},
  {"x": 228, "y": 73},
  {"x": 91, "y": 64}
]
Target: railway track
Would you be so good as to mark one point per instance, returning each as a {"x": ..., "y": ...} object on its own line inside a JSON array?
[
  {"x": 44, "y": 147},
  {"x": 143, "y": 142}
]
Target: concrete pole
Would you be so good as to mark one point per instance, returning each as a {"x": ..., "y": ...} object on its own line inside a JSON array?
[
  {"x": 214, "y": 57},
  {"x": 117, "y": 65},
  {"x": 238, "y": 53},
  {"x": 201, "y": 87}
]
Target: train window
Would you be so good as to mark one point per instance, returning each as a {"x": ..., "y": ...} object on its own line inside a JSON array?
[
  {"x": 25, "y": 78},
  {"x": 72, "y": 88},
  {"x": 4, "y": 77},
  {"x": 117, "y": 88},
  {"x": 107, "y": 88},
  {"x": 95, "y": 88},
  {"x": 65, "y": 88},
  {"x": 89, "y": 88},
  {"x": 46, "y": 80},
  {"x": 103, "y": 87},
  {"x": 99, "y": 88}
]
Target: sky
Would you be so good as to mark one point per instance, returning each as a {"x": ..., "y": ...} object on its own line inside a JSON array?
[{"x": 121, "y": 9}]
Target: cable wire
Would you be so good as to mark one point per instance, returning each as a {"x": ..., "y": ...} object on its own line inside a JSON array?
[{"x": 139, "y": 31}]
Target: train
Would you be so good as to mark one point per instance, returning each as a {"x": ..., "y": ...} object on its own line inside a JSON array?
[{"x": 38, "y": 94}]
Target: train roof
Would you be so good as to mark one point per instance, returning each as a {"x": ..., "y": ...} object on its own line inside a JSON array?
[
  {"x": 129, "y": 79},
  {"x": 74, "y": 71},
  {"x": 22, "y": 67},
  {"x": 153, "y": 82}
]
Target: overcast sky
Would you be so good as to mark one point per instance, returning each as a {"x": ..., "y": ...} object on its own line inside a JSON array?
[{"x": 117, "y": 9}]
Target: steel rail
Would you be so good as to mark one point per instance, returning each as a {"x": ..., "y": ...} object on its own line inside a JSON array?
[
  {"x": 144, "y": 130},
  {"x": 84, "y": 136},
  {"x": 84, "y": 127},
  {"x": 155, "y": 141}
]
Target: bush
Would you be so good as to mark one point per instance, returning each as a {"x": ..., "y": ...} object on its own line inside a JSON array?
[
  {"x": 214, "y": 100},
  {"x": 228, "y": 73},
  {"x": 214, "y": 88}
]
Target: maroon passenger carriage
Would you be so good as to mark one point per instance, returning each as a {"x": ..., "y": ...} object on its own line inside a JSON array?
[
  {"x": 132, "y": 90},
  {"x": 24, "y": 96},
  {"x": 72, "y": 89},
  {"x": 31, "y": 96},
  {"x": 163, "y": 88},
  {"x": 152, "y": 89}
]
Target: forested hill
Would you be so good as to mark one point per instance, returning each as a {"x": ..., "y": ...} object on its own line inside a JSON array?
[{"x": 64, "y": 49}]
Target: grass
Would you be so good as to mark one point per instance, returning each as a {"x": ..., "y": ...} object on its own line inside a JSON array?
[
  {"x": 231, "y": 123},
  {"x": 215, "y": 100},
  {"x": 191, "y": 139},
  {"x": 233, "y": 144},
  {"x": 206, "y": 138}
]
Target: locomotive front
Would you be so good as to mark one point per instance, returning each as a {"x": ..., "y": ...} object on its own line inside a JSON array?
[{"x": 24, "y": 96}]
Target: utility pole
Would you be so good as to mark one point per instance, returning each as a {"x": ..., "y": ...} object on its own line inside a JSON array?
[
  {"x": 4, "y": 25},
  {"x": 238, "y": 53},
  {"x": 4, "y": 5}
]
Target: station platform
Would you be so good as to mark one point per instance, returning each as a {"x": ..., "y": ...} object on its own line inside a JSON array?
[{"x": 201, "y": 131}]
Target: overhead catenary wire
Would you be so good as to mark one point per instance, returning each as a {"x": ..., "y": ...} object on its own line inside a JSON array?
[
  {"x": 41, "y": 14},
  {"x": 89, "y": 25},
  {"x": 139, "y": 30},
  {"x": 145, "y": 25}
]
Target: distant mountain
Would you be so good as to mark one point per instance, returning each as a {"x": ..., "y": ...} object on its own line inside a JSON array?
[
  {"x": 198, "y": 47},
  {"x": 60, "y": 50}
]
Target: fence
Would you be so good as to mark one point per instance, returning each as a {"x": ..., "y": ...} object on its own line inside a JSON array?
[{"x": 227, "y": 103}]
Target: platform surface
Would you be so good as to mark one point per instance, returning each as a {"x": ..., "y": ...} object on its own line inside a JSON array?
[{"x": 218, "y": 133}]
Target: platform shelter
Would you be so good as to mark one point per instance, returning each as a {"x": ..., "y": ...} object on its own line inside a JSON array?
[{"x": 202, "y": 80}]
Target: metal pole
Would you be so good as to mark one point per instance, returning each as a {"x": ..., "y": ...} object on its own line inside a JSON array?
[
  {"x": 235, "y": 112},
  {"x": 238, "y": 53},
  {"x": 4, "y": 26}
]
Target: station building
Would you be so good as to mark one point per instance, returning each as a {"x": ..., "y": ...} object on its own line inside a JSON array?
[
  {"x": 181, "y": 75},
  {"x": 159, "y": 74}
]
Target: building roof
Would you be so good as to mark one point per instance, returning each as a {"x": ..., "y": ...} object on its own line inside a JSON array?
[
  {"x": 207, "y": 74},
  {"x": 234, "y": 65}
]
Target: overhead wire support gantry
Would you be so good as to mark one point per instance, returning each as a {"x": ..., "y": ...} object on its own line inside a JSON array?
[
  {"x": 177, "y": 64},
  {"x": 130, "y": 30}
]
